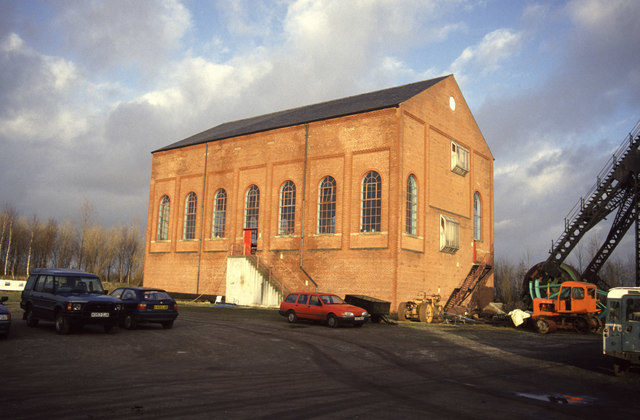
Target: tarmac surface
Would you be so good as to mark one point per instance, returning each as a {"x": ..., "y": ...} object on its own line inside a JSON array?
[{"x": 250, "y": 363}]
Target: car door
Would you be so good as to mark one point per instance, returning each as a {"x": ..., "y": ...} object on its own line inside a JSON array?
[
  {"x": 37, "y": 298},
  {"x": 316, "y": 311},
  {"x": 302, "y": 307},
  {"x": 49, "y": 298},
  {"x": 129, "y": 301},
  {"x": 631, "y": 324},
  {"x": 613, "y": 329}
]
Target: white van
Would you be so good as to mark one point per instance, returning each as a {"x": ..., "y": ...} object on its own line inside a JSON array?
[{"x": 621, "y": 334}]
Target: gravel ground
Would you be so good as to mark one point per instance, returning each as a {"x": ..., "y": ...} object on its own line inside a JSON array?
[{"x": 241, "y": 362}]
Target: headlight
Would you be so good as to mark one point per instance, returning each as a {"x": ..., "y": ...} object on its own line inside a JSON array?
[
  {"x": 5, "y": 317},
  {"x": 347, "y": 313},
  {"x": 364, "y": 313},
  {"x": 74, "y": 306}
]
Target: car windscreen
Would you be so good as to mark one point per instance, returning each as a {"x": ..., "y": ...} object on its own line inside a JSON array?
[
  {"x": 155, "y": 295},
  {"x": 76, "y": 284},
  {"x": 331, "y": 299}
]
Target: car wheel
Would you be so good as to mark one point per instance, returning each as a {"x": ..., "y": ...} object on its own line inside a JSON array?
[
  {"x": 110, "y": 328},
  {"x": 425, "y": 312},
  {"x": 581, "y": 325},
  {"x": 167, "y": 325},
  {"x": 542, "y": 326},
  {"x": 292, "y": 317},
  {"x": 62, "y": 324},
  {"x": 332, "y": 321},
  {"x": 31, "y": 320},
  {"x": 402, "y": 311},
  {"x": 130, "y": 322},
  {"x": 620, "y": 367}
]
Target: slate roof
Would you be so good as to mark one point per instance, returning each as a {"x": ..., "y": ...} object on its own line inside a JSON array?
[{"x": 357, "y": 104}]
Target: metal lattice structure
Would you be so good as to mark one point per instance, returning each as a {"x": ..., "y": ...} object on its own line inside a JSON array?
[{"x": 616, "y": 190}]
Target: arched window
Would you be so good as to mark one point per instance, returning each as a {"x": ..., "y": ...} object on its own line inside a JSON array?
[
  {"x": 251, "y": 210},
  {"x": 371, "y": 211},
  {"x": 190, "y": 207},
  {"x": 477, "y": 214},
  {"x": 163, "y": 219},
  {"x": 219, "y": 213},
  {"x": 327, "y": 206},
  {"x": 287, "y": 208},
  {"x": 412, "y": 206}
]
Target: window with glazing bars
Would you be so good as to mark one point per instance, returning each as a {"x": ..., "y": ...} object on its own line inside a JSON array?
[
  {"x": 190, "y": 207},
  {"x": 163, "y": 219},
  {"x": 449, "y": 234},
  {"x": 287, "y": 208},
  {"x": 371, "y": 203},
  {"x": 412, "y": 206},
  {"x": 327, "y": 206},
  {"x": 251, "y": 210},
  {"x": 219, "y": 213},
  {"x": 459, "y": 159},
  {"x": 477, "y": 235}
]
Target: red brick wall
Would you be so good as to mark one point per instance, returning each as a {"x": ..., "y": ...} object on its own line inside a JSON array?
[{"x": 411, "y": 139}]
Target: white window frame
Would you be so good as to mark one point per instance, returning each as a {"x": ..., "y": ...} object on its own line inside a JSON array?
[
  {"x": 459, "y": 159},
  {"x": 449, "y": 234}
]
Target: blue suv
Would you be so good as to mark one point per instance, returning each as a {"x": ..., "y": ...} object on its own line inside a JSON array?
[{"x": 70, "y": 298}]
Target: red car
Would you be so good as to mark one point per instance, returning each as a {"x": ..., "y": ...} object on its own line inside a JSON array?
[{"x": 322, "y": 307}]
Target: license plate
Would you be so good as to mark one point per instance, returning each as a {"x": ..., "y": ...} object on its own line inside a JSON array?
[
  {"x": 359, "y": 318},
  {"x": 99, "y": 314},
  {"x": 161, "y": 307}
]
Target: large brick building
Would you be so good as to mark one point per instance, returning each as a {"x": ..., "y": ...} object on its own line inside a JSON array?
[{"x": 386, "y": 194}]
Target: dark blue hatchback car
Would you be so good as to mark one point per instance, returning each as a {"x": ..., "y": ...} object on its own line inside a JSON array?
[
  {"x": 140, "y": 305},
  {"x": 5, "y": 318}
]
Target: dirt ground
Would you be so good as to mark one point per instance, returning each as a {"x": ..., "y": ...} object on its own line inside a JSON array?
[{"x": 240, "y": 363}]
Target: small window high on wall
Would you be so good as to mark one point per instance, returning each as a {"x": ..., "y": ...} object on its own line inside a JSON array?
[
  {"x": 459, "y": 159},
  {"x": 449, "y": 234}
]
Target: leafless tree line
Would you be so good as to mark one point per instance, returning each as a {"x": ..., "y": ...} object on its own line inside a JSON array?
[
  {"x": 509, "y": 275},
  {"x": 114, "y": 253}
]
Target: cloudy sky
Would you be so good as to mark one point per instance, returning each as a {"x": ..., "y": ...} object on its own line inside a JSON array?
[{"x": 89, "y": 88}]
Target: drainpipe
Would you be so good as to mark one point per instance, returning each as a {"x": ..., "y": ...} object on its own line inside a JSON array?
[
  {"x": 304, "y": 202},
  {"x": 204, "y": 184}
]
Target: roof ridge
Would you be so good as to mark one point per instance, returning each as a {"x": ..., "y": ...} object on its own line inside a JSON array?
[{"x": 333, "y": 108}]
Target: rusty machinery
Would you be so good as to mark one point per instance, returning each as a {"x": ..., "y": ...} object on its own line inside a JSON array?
[
  {"x": 571, "y": 306},
  {"x": 424, "y": 308},
  {"x": 429, "y": 309},
  {"x": 617, "y": 190}
]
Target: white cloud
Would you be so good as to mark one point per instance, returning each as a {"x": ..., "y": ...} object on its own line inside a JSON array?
[
  {"x": 601, "y": 14},
  {"x": 486, "y": 56}
]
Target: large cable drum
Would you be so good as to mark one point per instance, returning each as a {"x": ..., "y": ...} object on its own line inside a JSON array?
[{"x": 543, "y": 280}]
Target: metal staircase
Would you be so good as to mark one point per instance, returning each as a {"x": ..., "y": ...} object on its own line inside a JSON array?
[
  {"x": 476, "y": 276},
  {"x": 616, "y": 188}
]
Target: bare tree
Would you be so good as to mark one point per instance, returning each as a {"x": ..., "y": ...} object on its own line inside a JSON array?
[
  {"x": 579, "y": 257},
  {"x": 47, "y": 242},
  {"x": 85, "y": 220},
  {"x": 34, "y": 225},
  {"x": 11, "y": 216},
  {"x": 65, "y": 246}
]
